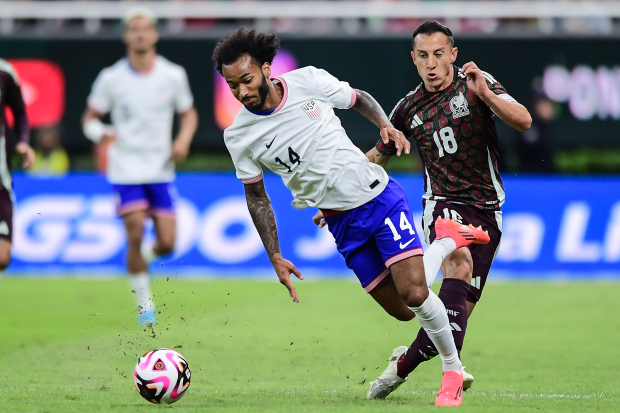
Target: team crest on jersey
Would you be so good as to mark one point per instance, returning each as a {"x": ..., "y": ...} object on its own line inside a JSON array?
[
  {"x": 459, "y": 106},
  {"x": 312, "y": 109}
]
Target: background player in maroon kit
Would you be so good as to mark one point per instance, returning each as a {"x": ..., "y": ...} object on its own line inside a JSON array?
[
  {"x": 451, "y": 116},
  {"x": 11, "y": 96}
]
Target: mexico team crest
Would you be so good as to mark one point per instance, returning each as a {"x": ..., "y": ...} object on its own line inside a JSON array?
[
  {"x": 312, "y": 109},
  {"x": 459, "y": 106}
]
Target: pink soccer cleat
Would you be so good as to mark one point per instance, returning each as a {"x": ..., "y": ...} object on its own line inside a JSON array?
[
  {"x": 451, "y": 391},
  {"x": 461, "y": 234}
]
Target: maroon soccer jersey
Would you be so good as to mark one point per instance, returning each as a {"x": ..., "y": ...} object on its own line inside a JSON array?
[
  {"x": 457, "y": 142},
  {"x": 11, "y": 97}
]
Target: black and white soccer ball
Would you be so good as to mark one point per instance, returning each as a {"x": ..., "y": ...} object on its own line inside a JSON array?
[{"x": 162, "y": 376}]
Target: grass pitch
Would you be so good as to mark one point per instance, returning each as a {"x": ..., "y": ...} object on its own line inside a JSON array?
[{"x": 71, "y": 345}]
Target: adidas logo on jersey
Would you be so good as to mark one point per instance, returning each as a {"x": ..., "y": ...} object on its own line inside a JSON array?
[
  {"x": 416, "y": 122},
  {"x": 312, "y": 109},
  {"x": 459, "y": 106}
]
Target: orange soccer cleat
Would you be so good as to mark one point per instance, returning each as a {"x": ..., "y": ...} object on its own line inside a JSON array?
[
  {"x": 461, "y": 234},
  {"x": 451, "y": 391}
]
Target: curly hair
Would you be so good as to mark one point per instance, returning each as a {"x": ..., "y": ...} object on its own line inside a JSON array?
[{"x": 261, "y": 47}]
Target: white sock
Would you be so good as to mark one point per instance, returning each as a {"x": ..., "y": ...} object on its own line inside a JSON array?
[
  {"x": 434, "y": 320},
  {"x": 434, "y": 256},
  {"x": 141, "y": 284},
  {"x": 147, "y": 252}
]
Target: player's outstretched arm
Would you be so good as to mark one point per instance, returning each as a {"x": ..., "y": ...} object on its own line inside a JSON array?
[
  {"x": 513, "y": 114},
  {"x": 374, "y": 156},
  {"x": 370, "y": 108},
  {"x": 264, "y": 220}
]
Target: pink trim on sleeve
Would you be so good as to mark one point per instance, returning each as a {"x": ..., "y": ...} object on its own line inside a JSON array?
[
  {"x": 252, "y": 180},
  {"x": 353, "y": 98}
]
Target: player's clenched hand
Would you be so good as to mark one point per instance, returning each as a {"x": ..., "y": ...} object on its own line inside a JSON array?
[
  {"x": 284, "y": 269},
  {"x": 180, "y": 150},
  {"x": 26, "y": 151},
  {"x": 475, "y": 79},
  {"x": 400, "y": 142},
  {"x": 319, "y": 219}
]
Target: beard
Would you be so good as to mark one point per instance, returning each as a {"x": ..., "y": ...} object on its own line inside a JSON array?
[{"x": 263, "y": 91}]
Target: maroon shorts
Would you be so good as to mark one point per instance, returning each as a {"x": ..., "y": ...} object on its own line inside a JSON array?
[
  {"x": 6, "y": 215},
  {"x": 482, "y": 255}
]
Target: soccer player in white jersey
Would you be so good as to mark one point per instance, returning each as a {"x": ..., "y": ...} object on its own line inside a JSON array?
[
  {"x": 288, "y": 125},
  {"x": 142, "y": 92}
]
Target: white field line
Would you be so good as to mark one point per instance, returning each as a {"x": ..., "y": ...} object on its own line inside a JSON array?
[{"x": 518, "y": 395}]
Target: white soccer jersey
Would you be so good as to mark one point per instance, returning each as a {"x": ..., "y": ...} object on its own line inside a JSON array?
[
  {"x": 142, "y": 107},
  {"x": 303, "y": 141}
]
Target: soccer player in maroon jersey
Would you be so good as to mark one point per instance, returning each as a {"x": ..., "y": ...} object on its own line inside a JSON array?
[
  {"x": 11, "y": 97},
  {"x": 451, "y": 116}
]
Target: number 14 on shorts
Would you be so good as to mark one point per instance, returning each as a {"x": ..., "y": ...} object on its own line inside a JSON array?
[{"x": 404, "y": 225}]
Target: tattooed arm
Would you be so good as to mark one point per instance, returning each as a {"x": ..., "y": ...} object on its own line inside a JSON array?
[
  {"x": 264, "y": 220},
  {"x": 370, "y": 109}
]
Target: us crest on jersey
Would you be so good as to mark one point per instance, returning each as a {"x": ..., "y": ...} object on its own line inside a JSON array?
[
  {"x": 459, "y": 106},
  {"x": 312, "y": 109}
]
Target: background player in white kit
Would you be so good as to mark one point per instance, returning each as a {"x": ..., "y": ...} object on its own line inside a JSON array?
[
  {"x": 142, "y": 92},
  {"x": 288, "y": 124}
]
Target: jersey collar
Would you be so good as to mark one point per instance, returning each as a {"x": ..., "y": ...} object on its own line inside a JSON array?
[{"x": 282, "y": 102}]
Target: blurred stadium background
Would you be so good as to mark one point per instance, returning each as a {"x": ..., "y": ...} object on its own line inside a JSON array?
[{"x": 559, "y": 58}]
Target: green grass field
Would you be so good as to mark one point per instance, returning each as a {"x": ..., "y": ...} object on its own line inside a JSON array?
[{"x": 71, "y": 345}]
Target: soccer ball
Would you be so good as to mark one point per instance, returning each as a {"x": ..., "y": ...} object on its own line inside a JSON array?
[{"x": 162, "y": 376}]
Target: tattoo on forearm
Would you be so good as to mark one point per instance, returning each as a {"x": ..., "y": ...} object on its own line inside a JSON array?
[
  {"x": 264, "y": 220},
  {"x": 370, "y": 108}
]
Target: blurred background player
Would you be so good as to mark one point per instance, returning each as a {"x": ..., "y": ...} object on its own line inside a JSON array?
[
  {"x": 142, "y": 92},
  {"x": 451, "y": 116},
  {"x": 11, "y": 97},
  {"x": 51, "y": 159}
]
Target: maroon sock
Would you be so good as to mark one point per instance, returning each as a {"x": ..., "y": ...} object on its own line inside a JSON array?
[{"x": 453, "y": 293}]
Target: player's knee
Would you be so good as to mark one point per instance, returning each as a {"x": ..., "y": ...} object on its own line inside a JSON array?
[
  {"x": 459, "y": 265},
  {"x": 165, "y": 247},
  {"x": 415, "y": 296}
]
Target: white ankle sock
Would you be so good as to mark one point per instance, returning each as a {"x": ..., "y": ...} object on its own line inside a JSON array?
[
  {"x": 141, "y": 284},
  {"x": 147, "y": 253},
  {"x": 434, "y": 320},
  {"x": 434, "y": 256}
]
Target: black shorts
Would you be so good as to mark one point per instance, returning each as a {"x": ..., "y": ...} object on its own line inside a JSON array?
[{"x": 482, "y": 255}]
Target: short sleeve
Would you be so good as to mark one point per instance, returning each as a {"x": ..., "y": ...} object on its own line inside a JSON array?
[
  {"x": 183, "y": 98},
  {"x": 497, "y": 88},
  {"x": 100, "y": 98},
  {"x": 248, "y": 170},
  {"x": 339, "y": 94},
  {"x": 397, "y": 118}
]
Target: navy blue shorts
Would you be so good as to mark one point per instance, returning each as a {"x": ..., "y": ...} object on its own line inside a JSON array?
[
  {"x": 376, "y": 235},
  {"x": 157, "y": 199}
]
